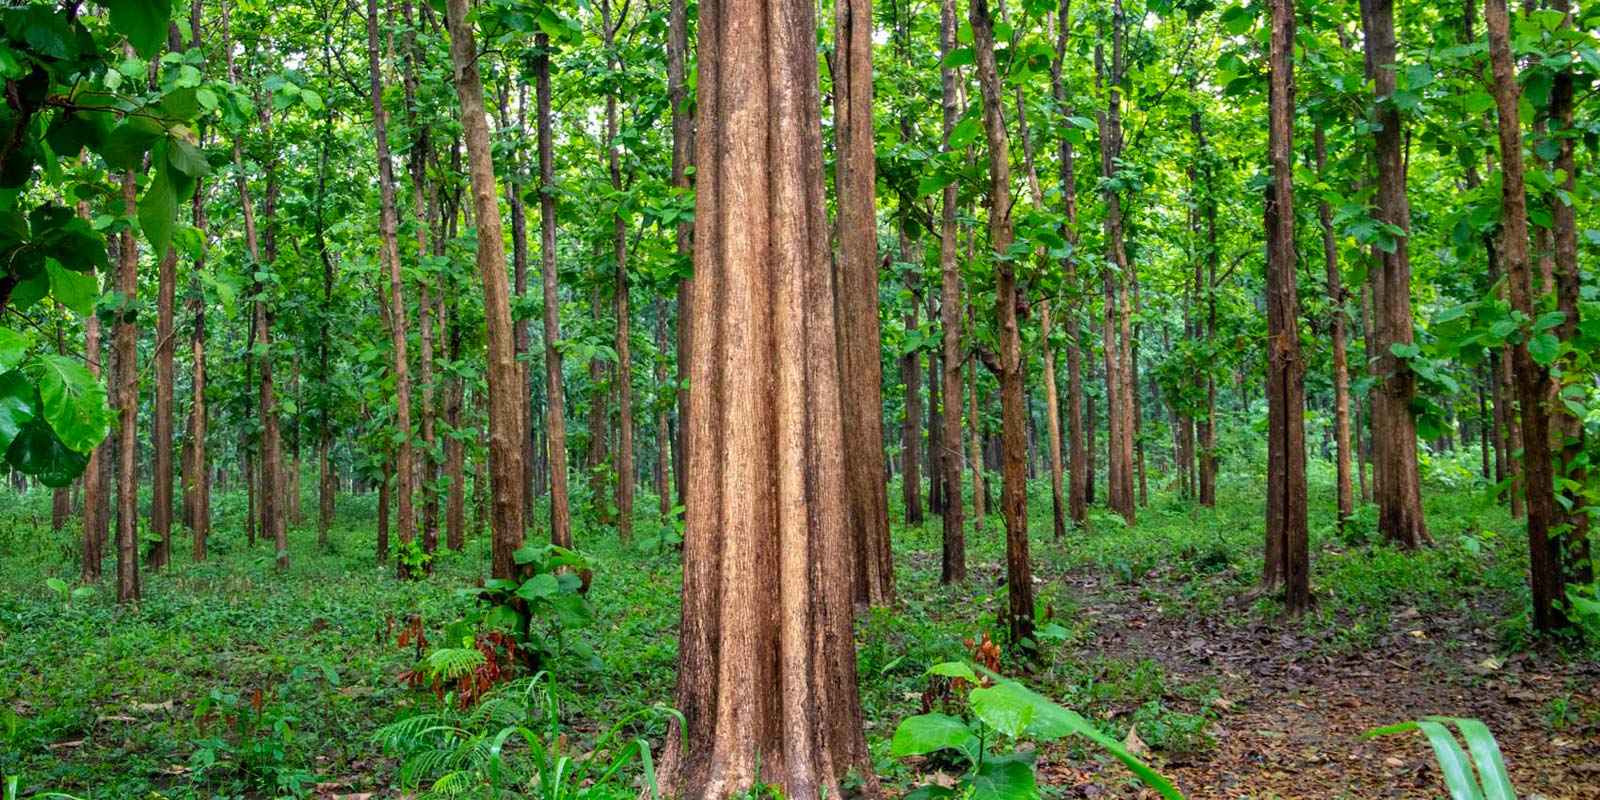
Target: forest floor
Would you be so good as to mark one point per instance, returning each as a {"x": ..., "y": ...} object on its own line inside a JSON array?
[{"x": 235, "y": 681}]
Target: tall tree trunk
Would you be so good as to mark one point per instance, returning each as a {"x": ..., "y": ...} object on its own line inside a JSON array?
[
  {"x": 1337, "y": 323},
  {"x": 127, "y": 371},
  {"x": 96, "y": 494},
  {"x": 858, "y": 338},
  {"x": 767, "y": 671},
  {"x": 1013, "y": 486},
  {"x": 954, "y": 551},
  {"x": 161, "y": 428},
  {"x": 518, "y": 210},
  {"x": 683, "y": 149},
  {"x": 327, "y": 486},
  {"x": 980, "y": 491},
  {"x": 1533, "y": 379},
  {"x": 619, "y": 231},
  {"x": 1120, "y": 385},
  {"x": 405, "y": 471},
  {"x": 1287, "y": 563},
  {"x": 911, "y": 420},
  {"x": 1394, "y": 424},
  {"x": 455, "y": 448},
  {"x": 555, "y": 394},
  {"x": 1571, "y": 435},
  {"x": 505, "y": 409},
  {"x": 1077, "y": 457},
  {"x": 664, "y": 481}
]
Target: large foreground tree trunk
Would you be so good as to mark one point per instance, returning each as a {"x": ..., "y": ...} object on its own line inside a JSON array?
[
  {"x": 505, "y": 407},
  {"x": 767, "y": 671},
  {"x": 860, "y": 361},
  {"x": 1287, "y": 560},
  {"x": 1532, "y": 379}
]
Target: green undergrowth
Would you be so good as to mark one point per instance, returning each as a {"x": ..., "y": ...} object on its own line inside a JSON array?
[{"x": 233, "y": 680}]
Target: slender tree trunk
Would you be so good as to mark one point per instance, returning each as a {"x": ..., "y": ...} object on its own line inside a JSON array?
[
  {"x": 911, "y": 420},
  {"x": 619, "y": 229},
  {"x": 96, "y": 489},
  {"x": 683, "y": 148},
  {"x": 327, "y": 485},
  {"x": 663, "y": 419},
  {"x": 980, "y": 493},
  {"x": 1287, "y": 564},
  {"x": 455, "y": 448},
  {"x": 767, "y": 676},
  {"x": 162, "y": 420},
  {"x": 127, "y": 371},
  {"x": 857, "y": 309},
  {"x": 505, "y": 408},
  {"x": 1077, "y": 458},
  {"x": 384, "y": 496},
  {"x": 388, "y": 233},
  {"x": 1394, "y": 424},
  {"x": 555, "y": 395},
  {"x": 954, "y": 554},
  {"x": 1532, "y": 379},
  {"x": 1013, "y": 488},
  {"x": 1120, "y": 384},
  {"x": 515, "y": 185},
  {"x": 1341, "y": 370},
  {"x": 1571, "y": 435}
]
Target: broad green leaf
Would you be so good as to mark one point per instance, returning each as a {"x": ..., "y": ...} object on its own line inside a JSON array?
[
  {"x": 573, "y": 611},
  {"x": 74, "y": 401},
  {"x": 75, "y": 290},
  {"x": 926, "y": 733},
  {"x": 539, "y": 587},
  {"x": 1453, "y": 764},
  {"x": 158, "y": 210},
  {"x": 16, "y": 405},
  {"x": 144, "y": 22},
  {"x": 1003, "y": 708},
  {"x": 13, "y": 348},
  {"x": 1544, "y": 348},
  {"x": 1007, "y": 777},
  {"x": 954, "y": 669},
  {"x": 37, "y": 451}
]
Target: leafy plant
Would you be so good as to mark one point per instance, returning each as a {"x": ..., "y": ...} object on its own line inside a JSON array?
[
  {"x": 469, "y": 753},
  {"x": 1491, "y": 781},
  {"x": 1002, "y": 710},
  {"x": 551, "y": 594}
]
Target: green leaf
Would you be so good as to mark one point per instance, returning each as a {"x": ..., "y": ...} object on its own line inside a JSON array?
[
  {"x": 187, "y": 159},
  {"x": 1003, "y": 708},
  {"x": 573, "y": 611},
  {"x": 954, "y": 669},
  {"x": 144, "y": 22},
  {"x": 1007, "y": 777},
  {"x": 56, "y": 585},
  {"x": 1453, "y": 764},
  {"x": 539, "y": 587},
  {"x": 1544, "y": 348},
  {"x": 75, "y": 290},
  {"x": 525, "y": 555},
  {"x": 13, "y": 348},
  {"x": 1547, "y": 321},
  {"x": 37, "y": 451},
  {"x": 928, "y": 732},
  {"x": 158, "y": 210},
  {"x": 16, "y": 406},
  {"x": 1486, "y": 754},
  {"x": 1401, "y": 350},
  {"x": 74, "y": 401}
]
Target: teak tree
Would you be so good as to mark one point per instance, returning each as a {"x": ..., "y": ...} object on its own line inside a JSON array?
[{"x": 766, "y": 669}]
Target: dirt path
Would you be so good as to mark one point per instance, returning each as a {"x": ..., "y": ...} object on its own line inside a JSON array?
[{"x": 1290, "y": 717}]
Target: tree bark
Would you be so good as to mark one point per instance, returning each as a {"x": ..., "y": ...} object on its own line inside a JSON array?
[
  {"x": 505, "y": 407},
  {"x": 683, "y": 148},
  {"x": 767, "y": 658},
  {"x": 1077, "y": 474},
  {"x": 388, "y": 233},
  {"x": 619, "y": 230},
  {"x": 1287, "y": 564},
  {"x": 127, "y": 370},
  {"x": 1337, "y": 324},
  {"x": 555, "y": 395},
  {"x": 1397, "y": 486},
  {"x": 911, "y": 420},
  {"x": 859, "y": 342},
  {"x": 954, "y": 552},
  {"x": 96, "y": 490},
  {"x": 1120, "y": 385},
  {"x": 1533, "y": 380},
  {"x": 1013, "y": 486}
]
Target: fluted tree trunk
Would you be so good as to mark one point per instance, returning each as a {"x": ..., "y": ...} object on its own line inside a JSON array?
[
  {"x": 505, "y": 386},
  {"x": 767, "y": 674},
  {"x": 859, "y": 342}
]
